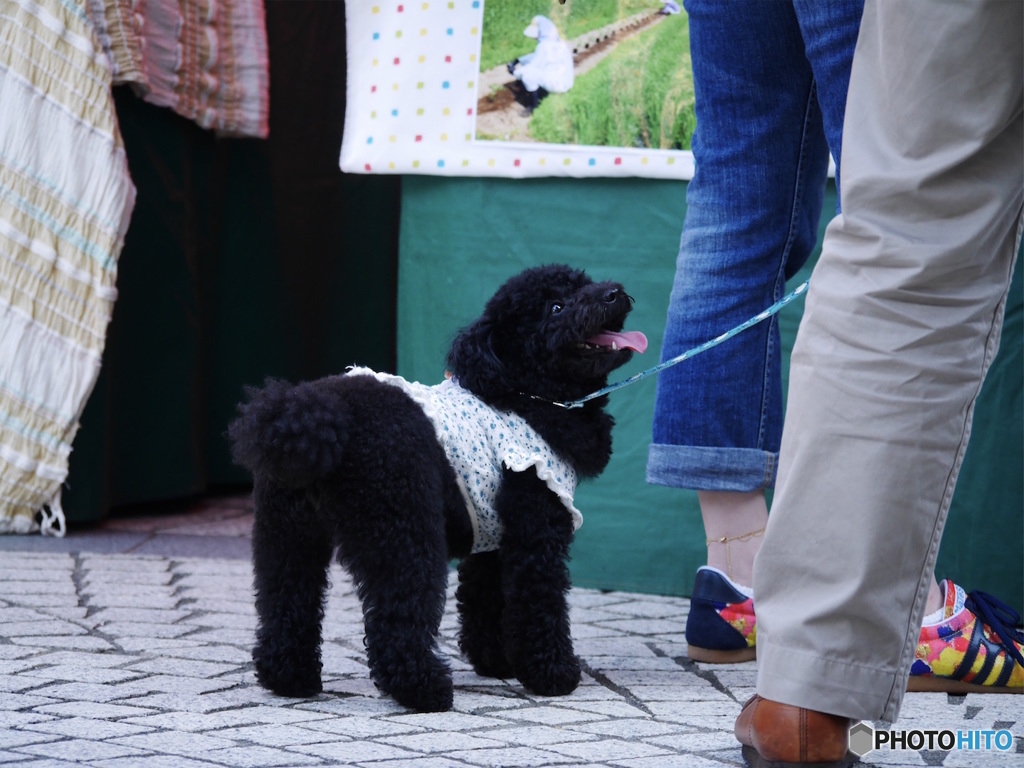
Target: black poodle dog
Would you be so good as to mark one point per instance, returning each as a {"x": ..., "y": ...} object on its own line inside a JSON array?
[{"x": 401, "y": 478}]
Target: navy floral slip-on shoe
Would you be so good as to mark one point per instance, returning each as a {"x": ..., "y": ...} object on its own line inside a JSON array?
[{"x": 721, "y": 627}]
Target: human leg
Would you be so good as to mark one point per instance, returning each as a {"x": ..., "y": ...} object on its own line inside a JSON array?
[
  {"x": 752, "y": 216},
  {"x": 734, "y": 521},
  {"x": 901, "y": 324},
  {"x": 752, "y": 221},
  {"x": 829, "y": 31}
]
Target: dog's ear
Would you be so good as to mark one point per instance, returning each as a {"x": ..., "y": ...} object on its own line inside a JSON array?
[{"x": 474, "y": 363}]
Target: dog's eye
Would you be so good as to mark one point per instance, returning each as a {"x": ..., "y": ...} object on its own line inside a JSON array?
[{"x": 556, "y": 308}]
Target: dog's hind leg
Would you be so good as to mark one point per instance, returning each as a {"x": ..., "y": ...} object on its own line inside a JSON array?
[
  {"x": 535, "y": 574},
  {"x": 290, "y": 561},
  {"x": 480, "y": 604},
  {"x": 401, "y": 575}
]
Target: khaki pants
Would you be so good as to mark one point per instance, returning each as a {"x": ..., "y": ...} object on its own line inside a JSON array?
[{"x": 902, "y": 321}]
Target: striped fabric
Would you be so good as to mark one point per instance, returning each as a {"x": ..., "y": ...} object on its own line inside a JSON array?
[
  {"x": 204, "y": 59},
  {"x": 65, "y": 202},
  {"x": 66, "y": 196}
]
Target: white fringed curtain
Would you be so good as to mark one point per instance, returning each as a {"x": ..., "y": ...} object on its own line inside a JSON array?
[{"x": 66, "y": 196}]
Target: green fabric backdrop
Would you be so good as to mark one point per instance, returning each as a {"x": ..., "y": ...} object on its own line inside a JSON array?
[{"x": 460, "y": 238}]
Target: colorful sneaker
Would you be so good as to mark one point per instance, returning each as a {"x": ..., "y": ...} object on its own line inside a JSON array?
[
  {"x": 721, "y": 627},
  {"x": 974, "y": 648}
]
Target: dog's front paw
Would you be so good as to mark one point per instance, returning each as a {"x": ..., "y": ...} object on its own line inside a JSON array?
[
  {"x": 422, "y": 682},
  {"x": 292, "y": 680},
  {"x": 432, "y": 692},
  {"x": 557, "y": 679},
  {"x": 482, "y": 646},
  {"x": 437, "y": 697},
  {"x": 491, "y": 662}
]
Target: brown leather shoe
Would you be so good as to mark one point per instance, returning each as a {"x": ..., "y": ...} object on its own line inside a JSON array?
[{"x": 787, "y": 734}]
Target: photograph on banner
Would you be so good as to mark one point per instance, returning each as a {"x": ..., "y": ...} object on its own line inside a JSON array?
[
  {"x": 603, "y": 74},
  {"x": 519, "y": 88}
]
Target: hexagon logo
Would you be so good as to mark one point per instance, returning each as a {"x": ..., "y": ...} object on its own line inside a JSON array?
[{"x": 862, "y": 739}]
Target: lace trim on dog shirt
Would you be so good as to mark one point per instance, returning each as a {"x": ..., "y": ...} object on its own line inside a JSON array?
[{"x": 479, "y": 441}]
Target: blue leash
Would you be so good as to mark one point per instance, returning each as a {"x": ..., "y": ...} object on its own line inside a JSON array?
[{"x": 772, "y": 310}]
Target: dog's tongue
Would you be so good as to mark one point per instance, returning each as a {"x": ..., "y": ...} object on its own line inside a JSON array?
[{"x": 626, "y": 340}]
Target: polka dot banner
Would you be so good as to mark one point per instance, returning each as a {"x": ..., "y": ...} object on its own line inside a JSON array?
[{"x": 414, "y": 96}]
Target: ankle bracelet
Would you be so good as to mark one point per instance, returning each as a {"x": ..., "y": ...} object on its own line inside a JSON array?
[
  {"x": 742, "y": 537},
  {"x": 728, "y": 551}
]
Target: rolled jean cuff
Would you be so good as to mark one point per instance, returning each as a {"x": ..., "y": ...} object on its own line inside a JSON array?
[{"x": 703, "y": 468}]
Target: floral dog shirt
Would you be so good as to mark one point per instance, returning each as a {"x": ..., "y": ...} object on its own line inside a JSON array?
[{"x": 478, "y": 441}]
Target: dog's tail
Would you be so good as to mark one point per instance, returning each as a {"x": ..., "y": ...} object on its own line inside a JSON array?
[{"x": 292, "y": 433}]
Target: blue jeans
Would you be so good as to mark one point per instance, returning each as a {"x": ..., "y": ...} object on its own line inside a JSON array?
[{"x": 770, "y": 82}]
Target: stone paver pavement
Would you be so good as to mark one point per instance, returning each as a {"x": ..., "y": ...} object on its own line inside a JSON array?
[{"x": 129, "y": 645}]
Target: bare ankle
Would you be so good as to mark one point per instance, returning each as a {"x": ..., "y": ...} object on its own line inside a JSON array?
[
  {"x": 734, "y": 555},
  {"x": 935, "y": 599},
  {"x": 734, "y": 523}
]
